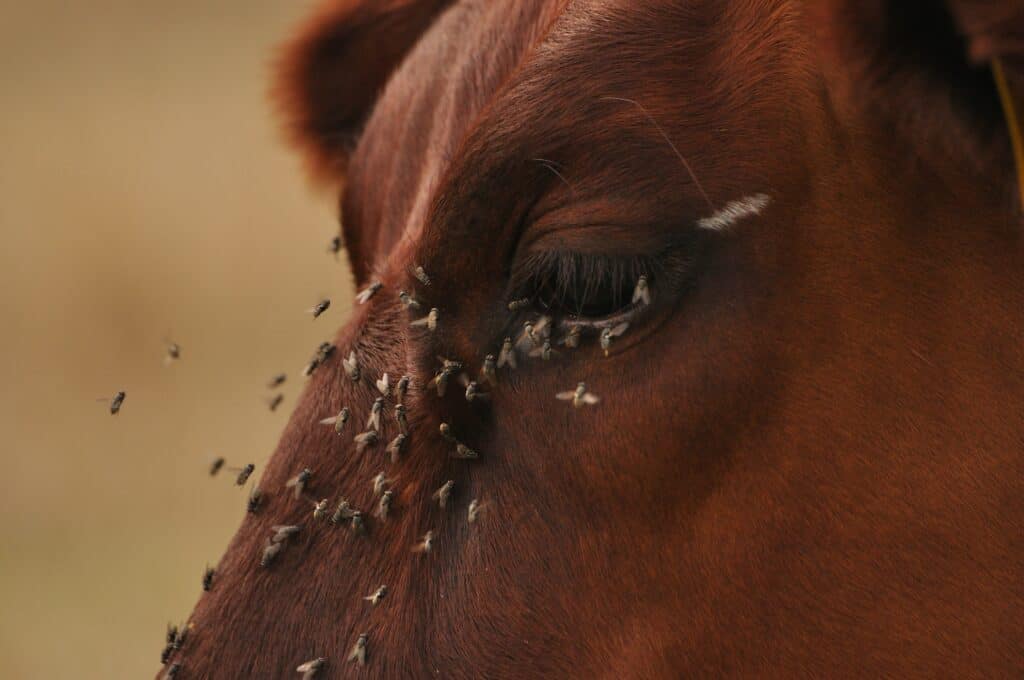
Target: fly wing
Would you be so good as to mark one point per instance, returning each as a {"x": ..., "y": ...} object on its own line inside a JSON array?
[
  {"x": 566, "y": 396},
  {"x": 590, "y": 399}
]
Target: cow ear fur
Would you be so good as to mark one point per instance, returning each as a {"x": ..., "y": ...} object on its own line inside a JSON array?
[{"x": 331, "y": 72}]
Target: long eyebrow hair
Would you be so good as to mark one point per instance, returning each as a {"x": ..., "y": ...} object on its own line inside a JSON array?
[{"x": 682, "y": 159}]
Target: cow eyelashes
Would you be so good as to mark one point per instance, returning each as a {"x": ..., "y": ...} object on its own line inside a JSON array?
[{"x": 566, "y": 283}]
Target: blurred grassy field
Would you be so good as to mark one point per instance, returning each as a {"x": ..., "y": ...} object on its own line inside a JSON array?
[{"x": 144, "y": 194}]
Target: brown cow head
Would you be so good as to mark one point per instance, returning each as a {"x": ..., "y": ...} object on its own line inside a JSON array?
[{"x": 806, "y": 451}]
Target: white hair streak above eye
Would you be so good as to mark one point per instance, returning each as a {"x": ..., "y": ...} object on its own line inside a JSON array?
[{"x": 734, "y": 211}]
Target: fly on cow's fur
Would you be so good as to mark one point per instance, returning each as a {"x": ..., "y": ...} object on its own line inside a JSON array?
[
  {"x": 444, "y": 493},
  {"x": 364, "y": 295},
  {"x": 448, "y": 369},
  {"x": 373, "y": 422},
  {"x": 366, "y": 439},
  {"x": 351, "y": 365},
  {"x": 337, "y": 421},
  {"x": 208, "y": 575},
  {"x": 408, "y": 300},
  {"x": 400, "y": 417},
  {"x": 429, "y": 321},
  {"x": 395, "y": 447},
  {"x": 380, "y": 482},
  {"x": 384, "y": 505},
  {"x": 299, "y": 481},
  {"x": 310, "y": 669},
  {"x": 320, "y": 509},
  {"x": 401, "y": 388},
  {"x": 358, "y": 653},
  {"x": 255, "y": 499},
  {"x": 343, "y": 512},
  {"x": 376, "y": 596}
]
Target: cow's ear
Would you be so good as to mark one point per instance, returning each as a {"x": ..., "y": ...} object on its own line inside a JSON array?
[
  {"x": 925, "y": 67},
  {"x": 332, "y": 71},
  {"x": 993, "y": 29}
]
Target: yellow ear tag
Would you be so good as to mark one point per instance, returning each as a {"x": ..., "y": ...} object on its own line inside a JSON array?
[{"x": 1012, "y": 123}]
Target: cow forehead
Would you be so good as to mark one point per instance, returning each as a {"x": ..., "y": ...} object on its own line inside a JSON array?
[{"x": 494, "y": 83}]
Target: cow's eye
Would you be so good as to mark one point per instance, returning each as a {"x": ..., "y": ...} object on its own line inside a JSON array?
[{"x": 582, "y": 286}]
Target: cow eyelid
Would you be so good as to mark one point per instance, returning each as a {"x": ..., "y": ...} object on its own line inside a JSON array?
[{"x": 581, "y": 286}]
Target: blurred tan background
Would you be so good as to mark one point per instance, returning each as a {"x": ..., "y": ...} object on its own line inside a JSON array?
[{"x": 144, "y": 194}]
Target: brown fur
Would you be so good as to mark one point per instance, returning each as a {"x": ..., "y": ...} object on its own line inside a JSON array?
[{"x": 807, "y": 458}]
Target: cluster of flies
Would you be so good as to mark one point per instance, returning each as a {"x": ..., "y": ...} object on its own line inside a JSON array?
[{"x": 534, "y": 340}]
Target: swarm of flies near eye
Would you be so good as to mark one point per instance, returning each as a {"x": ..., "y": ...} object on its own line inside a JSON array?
[
  {"x": 402, "y": 388},
  {"x": 642, "y": 292},
  {"x": 275, "y": 401},
  {"x": 507, "y": 355},
  {"x": 380, "y": 481},
  {"x": 358, "y": 653},
  {"x": 319, "y": 308},
  {"x": 610, "y": 333},
  {"x": 373, "y": 422},
  {"x": 337, "y": 421},
  {"x": 579, "y": 396},
  {"x": 208, "y": 578},
  {"x": 421, "y": 275},
  {"x": 376, "y": 596},
  {"x": 277, "y": 380},
  {"x": 299, "y": 481},
  {"x": 429, "y": 321},
  {"x": 448, "y": 369},
  {"x": 115, "y": 403},
  {"x": 368, "y": 438},
  {"x": 384, "y": 385},
  {"x": 443, "y": 494},
  {"x": 488, "y": 371},
  {"x": 396, "y": 446},
  {"x": 255, "y": 498},
  {"x": 366, "y": 293},
  {"x": 351, "y": 365},
  {"x": 311, "y": 668},
  {"x": 334, "y": 246},
  {"x": 408, "y": 300},
  {"x": 426, "y": 544},
  {"x": 384, "y": 505}
]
